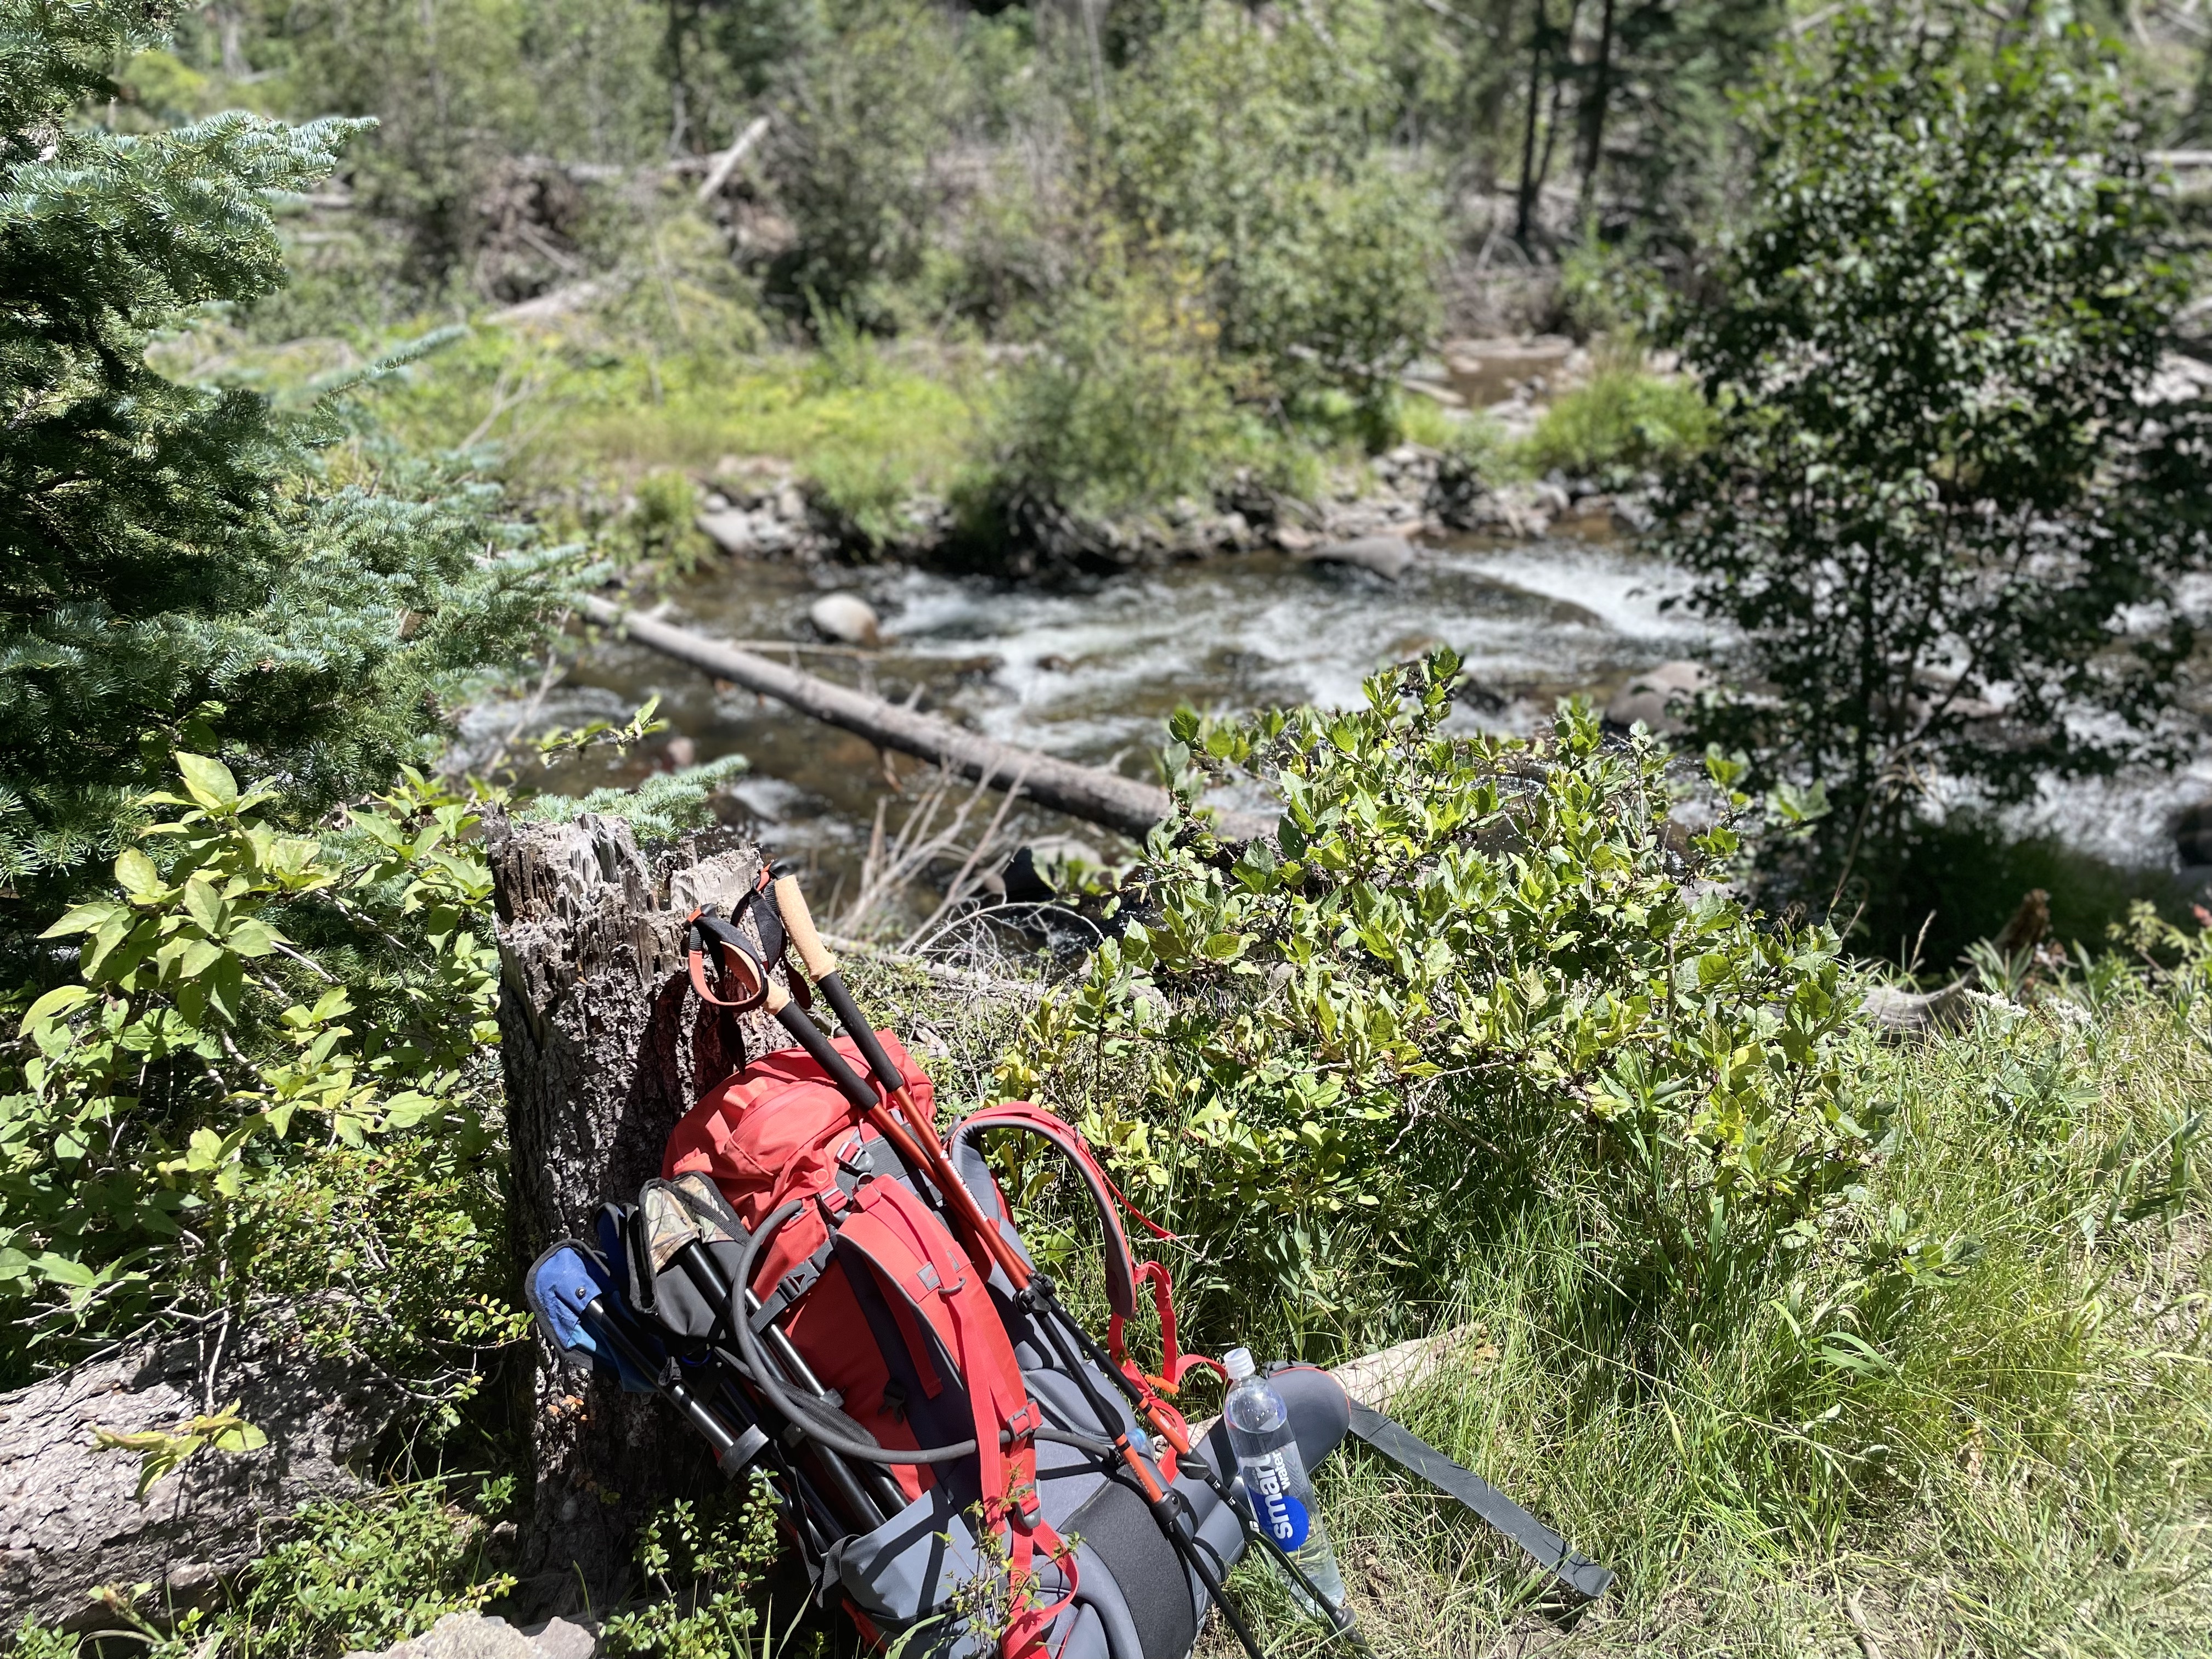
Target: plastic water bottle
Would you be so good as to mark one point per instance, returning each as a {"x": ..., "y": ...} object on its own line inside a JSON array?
[{"x": 1275, "y": 1480}]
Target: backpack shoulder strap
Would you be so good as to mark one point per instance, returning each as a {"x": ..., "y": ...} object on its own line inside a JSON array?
[
  {"x": 911, "y": 1254},
  {"x": 1123, "y": 1272}
]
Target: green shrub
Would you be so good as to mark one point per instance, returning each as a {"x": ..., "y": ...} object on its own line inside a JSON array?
[
  {"x": 253, "y": 1014},
  {"x": 1624, "y": 423},
  {"x": 1123, "y": 407},
  {"x": 659, "y": 526},
  {"x": 859, "y": 118},
  {"x": 361, "y": 1575},
  {"x": 366, "y": 1574},
  {"x": 705, "y": 1568},
  {"x": 859, "y": 494},
  {"x": 1474, "y": 964},
  {"x": 1254, "y": 157},
  {"x": 1939, "y": 508}
]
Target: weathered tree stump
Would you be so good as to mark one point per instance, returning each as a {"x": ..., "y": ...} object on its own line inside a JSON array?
[{"x": 604, "y": 1047}]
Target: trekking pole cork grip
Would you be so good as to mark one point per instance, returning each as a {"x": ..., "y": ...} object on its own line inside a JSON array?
[
  {"x": 822, "y": 968},
  {"x": 798, "y": 922}
]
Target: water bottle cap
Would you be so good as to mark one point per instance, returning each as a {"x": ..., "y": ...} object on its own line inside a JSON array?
[{"x": 1238, "y": 1362}]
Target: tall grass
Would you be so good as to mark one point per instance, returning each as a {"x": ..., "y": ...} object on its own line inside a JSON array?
[
  {"x": 2011, "y": 1456},
  {"x": 2005, "y": 1448}
]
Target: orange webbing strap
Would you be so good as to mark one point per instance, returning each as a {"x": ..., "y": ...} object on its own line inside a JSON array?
[
  {"x": 695, "y": 952},
  {"x": 699, "y": 983},
  {"x": 1175, "y": 1365},
  {"x": 1123, "y": 1272}
]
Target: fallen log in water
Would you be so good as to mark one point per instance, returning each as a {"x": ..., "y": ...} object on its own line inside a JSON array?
[{"x": 1088, "y": 792}]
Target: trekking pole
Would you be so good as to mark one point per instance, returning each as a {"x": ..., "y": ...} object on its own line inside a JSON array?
[
  {"x": 822, "y": 969},
  {"x": 1035, "y": 1290},
  {"x": 561, "y": 1276}
]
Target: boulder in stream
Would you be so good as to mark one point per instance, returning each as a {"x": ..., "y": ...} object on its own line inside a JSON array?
[
  {"x": 1650, "y": 694},
  {"x": 1387, "y": 557},
  {"x": 746, "y": 535},
  {"x": 846, "y": 617}
]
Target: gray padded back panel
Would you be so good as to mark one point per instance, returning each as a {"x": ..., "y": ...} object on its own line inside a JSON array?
[{"x": 1118, "y": 1533}]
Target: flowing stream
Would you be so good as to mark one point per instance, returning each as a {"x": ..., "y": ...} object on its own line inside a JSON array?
[{"x": 1090, "y": 671}]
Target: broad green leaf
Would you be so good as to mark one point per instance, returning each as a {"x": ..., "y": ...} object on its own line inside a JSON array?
[
  {"x": 209, "y": 781},
  {"x": 207, "y": 1149},
  {"x": 243, "y": 1437},
  {"x": 65, "y": 1270},
  {"x": 85, "y": 918},
  {"x": 405, "y": 1111},
  {"x": 226, "y": 984},
  {"x": 137, "y": 874},
  {"x": 203, "y": 905},
  {"x": 251, "y": 939},
  {"x": 199, "y": 956},
  {"x": 56, "y": 1002}
]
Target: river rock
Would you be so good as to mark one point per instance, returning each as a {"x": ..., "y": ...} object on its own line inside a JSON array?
[
  {"x": 847, "y": 617},
  {"x": 562, "y": 1638},
  {"x": 69, "y": 1518},
  {"x": 485, "y": 1635},
  {"x": 729, "y": 528},
  {"x": 1646, "y": 697},
  {"x": 2192, "y": 834},
  {"x": 1484, "y": 371},
  {"x": 1388, "y": 557}
]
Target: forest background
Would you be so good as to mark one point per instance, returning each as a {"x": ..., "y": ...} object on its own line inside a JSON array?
[{"x": 1780, "y": 1319}]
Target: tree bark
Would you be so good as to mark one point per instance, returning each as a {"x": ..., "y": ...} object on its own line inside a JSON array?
[
  {"x": 1088, "y": 792},
  {"x": 1601, "y": 91},
  {"x": 604, "y": 1047},
  {"x": 70, "y": 1518}
]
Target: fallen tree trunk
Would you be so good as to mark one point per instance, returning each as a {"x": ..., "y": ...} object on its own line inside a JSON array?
[
  {"x": 71, "y": 1517},
  {"x": 604, "y": 1047},
  {"x": 1088, "y": 792}
]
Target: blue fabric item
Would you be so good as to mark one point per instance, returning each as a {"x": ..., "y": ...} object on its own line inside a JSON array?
[
  {"x": 559, "y": 1287},
  {"x": 562, "y": 1286}
]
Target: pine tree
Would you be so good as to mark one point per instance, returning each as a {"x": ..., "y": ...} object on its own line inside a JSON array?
[{"x": 179, "y": 563}]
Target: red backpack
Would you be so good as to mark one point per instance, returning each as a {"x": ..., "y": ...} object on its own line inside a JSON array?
[
  {"x": 819, "y": 1283},
  {"x": 889, "y": 1310}
]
